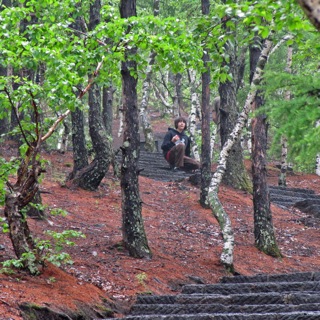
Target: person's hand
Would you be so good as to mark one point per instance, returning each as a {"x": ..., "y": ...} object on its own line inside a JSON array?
[{"x": 175, "y": 138}]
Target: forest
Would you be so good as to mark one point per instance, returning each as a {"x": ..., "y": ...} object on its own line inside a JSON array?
[{"x": 243, "y": 73}]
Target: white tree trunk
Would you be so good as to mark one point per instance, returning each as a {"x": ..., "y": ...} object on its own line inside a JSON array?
[
  {"x": 213, "y": 138},
  {"x": 121, "y": 123},
  {"x": 193, "y": 114},
  {"x": 318, "y": 156},
  {"x": 284, "y": 164},
  {"x": 318, "y": 164},
  {"x": 215, "y": 204},
  {"x": 284, "y": 141},
  {"x": 246, "y": 138},
  {"x": 143, "y": 113},
  {"x": 60, "y": 133},
  {"x": 176, "y": 105}
]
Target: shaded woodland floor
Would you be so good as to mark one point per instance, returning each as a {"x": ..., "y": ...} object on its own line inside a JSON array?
[{"x": 185, "y": 240}]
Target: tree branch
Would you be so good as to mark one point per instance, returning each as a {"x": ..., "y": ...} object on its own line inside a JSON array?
[{"x": 82, "y": 93}]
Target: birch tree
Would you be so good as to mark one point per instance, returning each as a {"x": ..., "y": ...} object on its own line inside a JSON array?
[
  {"x": 282, "y": 181},
  {"x": 214, "y": 201},
  {"x": 143, "y": 113},
  {"x": 193, "y": 113}
]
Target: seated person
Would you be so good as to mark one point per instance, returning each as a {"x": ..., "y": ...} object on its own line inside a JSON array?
[{"x": 176, "y": 147}]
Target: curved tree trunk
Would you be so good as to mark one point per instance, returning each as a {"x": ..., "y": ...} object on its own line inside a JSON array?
[
  {"x": 134, "y": 236},
  {"x": 90, "y": 177},
  {"x": 17, "y": 198},
  {"x": 215, "y": 204}
]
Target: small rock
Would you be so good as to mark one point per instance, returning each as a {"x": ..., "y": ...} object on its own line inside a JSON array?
[{"x": 196, "y": 279}]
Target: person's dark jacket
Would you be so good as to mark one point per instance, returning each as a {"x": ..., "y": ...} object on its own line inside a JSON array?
[{"x": 167, "y": 144}]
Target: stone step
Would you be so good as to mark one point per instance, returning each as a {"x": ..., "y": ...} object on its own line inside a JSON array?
[
  {"x": 288, "y": 198},
  {"x": 163, "y": 174},
  {"x": 285, "y": 201},
  {"x": 164, "y": 309},
  {"x": 261, "y": 297},
  {"x": 232, "y": 316},
  {"x": 282, "y": 277},
  {"x": 291, "y": 191},
  {"x": 234, "y": 288},
  {"x": 237, "y": 299}
]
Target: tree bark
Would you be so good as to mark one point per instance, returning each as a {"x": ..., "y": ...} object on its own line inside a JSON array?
[
  {"x": 264, "y": 236},
  {"x": 312, "y": 9},
  {"x": 134, "y": 236},
  {"x": 80, "y": 152},
  {"x": 107, "y": 108},
  {"x": 236, "y": 174},
  {"x": 90, "y": 177},
  {"x": 265, "y": 239},
  {"x": 205, "y": 123},
  {"x": 17, "y": 198}
]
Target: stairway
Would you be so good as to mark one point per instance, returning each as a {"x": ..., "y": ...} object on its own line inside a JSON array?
[
  {"x": 262, "y": 297},
  {"x": 154, "y": 166},
  {"x": 303, "y": 199}
]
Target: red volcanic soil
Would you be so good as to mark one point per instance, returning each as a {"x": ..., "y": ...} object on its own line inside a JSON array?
[{"x": 184, "y": 238}]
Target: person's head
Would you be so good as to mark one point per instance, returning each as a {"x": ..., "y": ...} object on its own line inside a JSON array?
[{"x": 180, "y": 120}]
